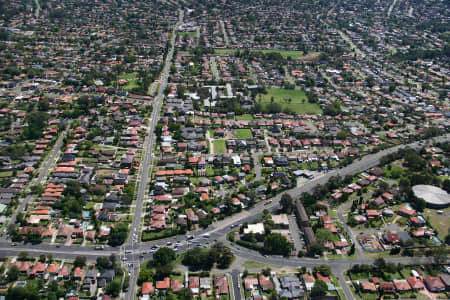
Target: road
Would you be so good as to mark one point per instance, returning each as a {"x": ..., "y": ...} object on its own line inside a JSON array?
[
  {"x": 257, "y": 165},
  {"x": 38, "y": 9},
  {"x": 148, "y": 162},
  {"x": 341, "y": 209},
  {"x": 391, "y": 7},
  {"x": 216, "y": 232},
  {"x": 148, "y": 159},
  {"x": 43, "y": 173},
  {"x": 235, "y": 275},
  {"x": 225, "y": 35},
  {"x": 219, "y": 229},
  {"x": 214, "y": 68},
  {"x": 197, "y": 34}
]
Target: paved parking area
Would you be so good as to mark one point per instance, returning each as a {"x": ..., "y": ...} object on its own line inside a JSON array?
[{"x": 293, "y": 228}]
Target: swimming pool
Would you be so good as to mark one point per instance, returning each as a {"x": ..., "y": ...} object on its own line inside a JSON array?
[{"x": 436, "y": 240}]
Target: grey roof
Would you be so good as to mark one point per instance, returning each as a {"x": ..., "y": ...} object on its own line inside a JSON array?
[{"x": 432, "y": 194}]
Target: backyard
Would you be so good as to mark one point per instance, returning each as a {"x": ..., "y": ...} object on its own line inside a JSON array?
[
  {"x": 220, "y": 146},
  {"x": 243, "y": 133}
]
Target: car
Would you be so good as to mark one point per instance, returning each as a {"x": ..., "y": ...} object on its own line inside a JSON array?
[
  {"x": 100, "y": 248},
  {"x": 361, "y": 232},
  {"x": 13, "y": 244}
]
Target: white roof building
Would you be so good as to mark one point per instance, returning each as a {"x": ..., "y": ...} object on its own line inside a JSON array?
[{"x": 255, "y": 228}]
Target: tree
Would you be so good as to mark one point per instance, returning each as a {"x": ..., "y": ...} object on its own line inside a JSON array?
[
  {"x": 319, "y": 289},
  {"x": 440, "y": 254},
  {"x": 118, "y": 234},
  {"x": 352, "y": 250},
  {"x": 37, "y": 121},
  {"x": 379, "y": 263},
  {"x": 325, "y": 270},
  {"x": 23, "y": 256},
  {"x": 103, "y": 263},
  {"x": 225, "y": 256},
  {"x": 332, "y": 109},
  {"x": 198, "y": 259},
  {"x": 287, "y": 204},
  {"x": 342, "y": 135},
  {"x": 314, "y": 249},
  {"x": 163, "y": 262},
  {"x": 273, "y": 295},
  {"x": 275, "y": 243},
  {"x": 145, "y": 275},
  {"x": 22, "y": 293},
  {"x": 80, "y": 261},
  {"x": 113, "y": 288},
  {"x": 13, "y": 273},
  {"x": 164, "y": 256},
  {"x": 446, "y": 185}
]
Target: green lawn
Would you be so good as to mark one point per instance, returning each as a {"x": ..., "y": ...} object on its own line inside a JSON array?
[
  {"x": 438, "y": 221},
  {"x": 132, "y": 80},
  {"x": 395, "y": 172},
  {"x": 246, "y": 117},
  {"x": 190, "y": 33},
  {"x": 243, "y": 133},
  {"x": 298, "y": 104},
  {"x": 6, "y": 174},
  {"x": 128, "y": 76},
  {"x": 284, "y": 53},
  {"x": 251, "y": 264},
  {"x": 220, "y": 146}
]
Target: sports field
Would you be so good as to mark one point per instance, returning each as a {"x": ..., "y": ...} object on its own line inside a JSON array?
[{"x": 298, "y": 103}]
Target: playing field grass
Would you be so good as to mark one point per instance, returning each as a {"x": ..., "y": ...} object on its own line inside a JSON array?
[
  {"x": 220, "y": 146},
  {"x": 439, "y": 221},
  {"x": 246, "y": 117},
  {"x": 243, "y": 133},
  {"x": 298, "y": 104},
  {"x": 284, "y": 53}
]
